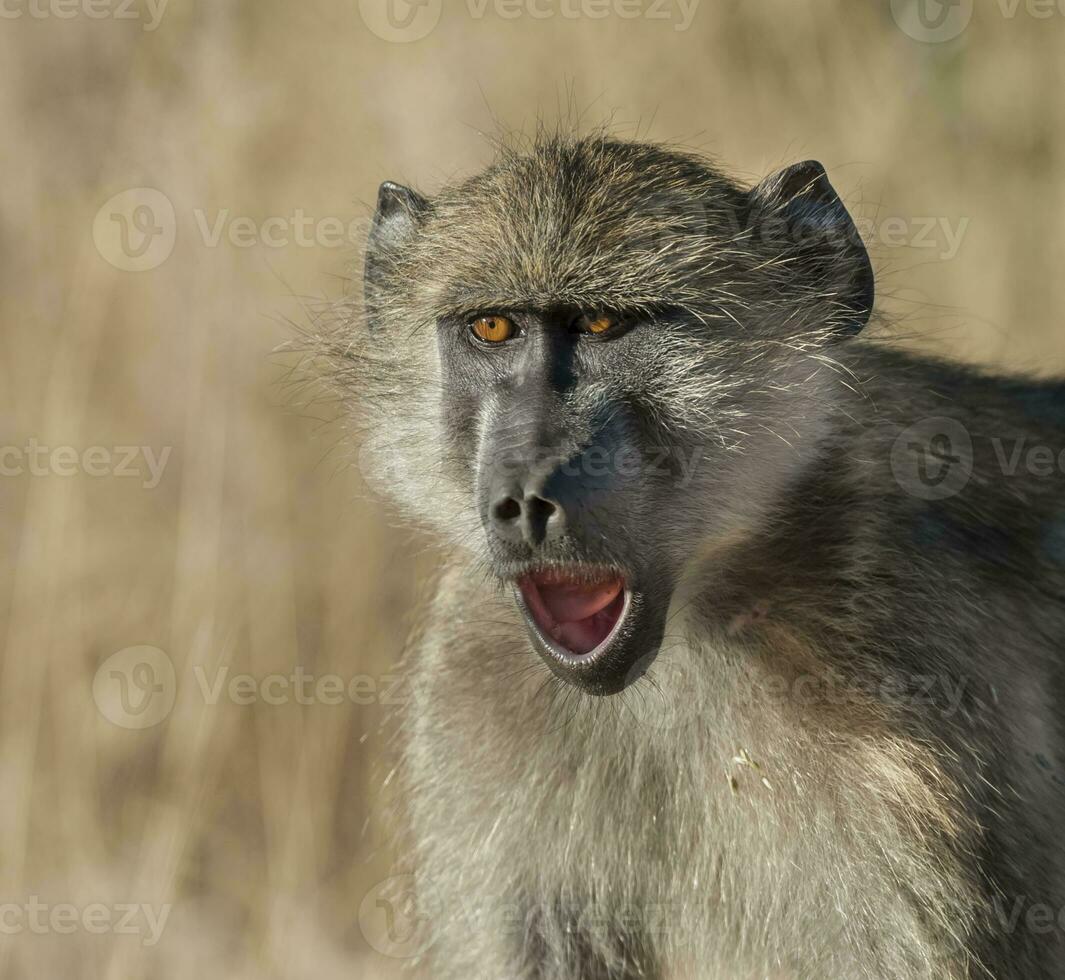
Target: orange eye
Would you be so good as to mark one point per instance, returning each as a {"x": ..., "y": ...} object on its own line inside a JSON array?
[
  {"x": 601, "y": 324},
  {"x": 492, "y": 329}
]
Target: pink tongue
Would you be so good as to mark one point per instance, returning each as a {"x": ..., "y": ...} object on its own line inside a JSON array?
[
  {"x": 585, "y": 636},
  {"x": 571, "y": 603}
]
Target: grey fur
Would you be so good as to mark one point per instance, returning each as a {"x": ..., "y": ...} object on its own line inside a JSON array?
[{"x": 847, "y": 760}]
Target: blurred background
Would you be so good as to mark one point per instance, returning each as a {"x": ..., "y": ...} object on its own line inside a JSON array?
[{"x": 202, "y": 604}]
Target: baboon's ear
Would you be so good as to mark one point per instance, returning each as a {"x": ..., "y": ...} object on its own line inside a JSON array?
[
  {"x": 399, "y": 213},
  {"x": 798, "y": 209}
]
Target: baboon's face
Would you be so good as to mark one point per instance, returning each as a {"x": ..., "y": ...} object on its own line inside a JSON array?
[
  {"x": 577, "y": 489},
  {"x": 610, "y": 354}
]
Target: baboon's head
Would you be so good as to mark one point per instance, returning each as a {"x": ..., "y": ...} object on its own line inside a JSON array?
[{"x": 594, "y": 362}]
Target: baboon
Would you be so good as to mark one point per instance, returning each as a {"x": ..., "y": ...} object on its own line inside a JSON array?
[{"x": 745, "y": 654}]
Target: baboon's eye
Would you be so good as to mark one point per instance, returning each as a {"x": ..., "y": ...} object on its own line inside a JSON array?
[
  {"x": 492, "y": 329},
  {"x": 595, "y": 324}
]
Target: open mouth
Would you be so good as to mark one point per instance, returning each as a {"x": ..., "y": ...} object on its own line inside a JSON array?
[{"x": 576, "y": 614}]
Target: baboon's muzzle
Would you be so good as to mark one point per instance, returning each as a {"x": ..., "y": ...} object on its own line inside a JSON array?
[{"x": 559, "y": 528}]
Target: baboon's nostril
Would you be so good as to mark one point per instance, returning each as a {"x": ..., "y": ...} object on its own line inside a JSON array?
[
  {"x": 540, "y": 510},
  {"x": 543, "y": 520},
  {"x": 531, "y": 519},
  {"x": 507, "y": 509}
]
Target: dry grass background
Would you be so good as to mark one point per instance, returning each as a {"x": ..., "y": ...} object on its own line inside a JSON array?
[{"x": 262, "y": 825}]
